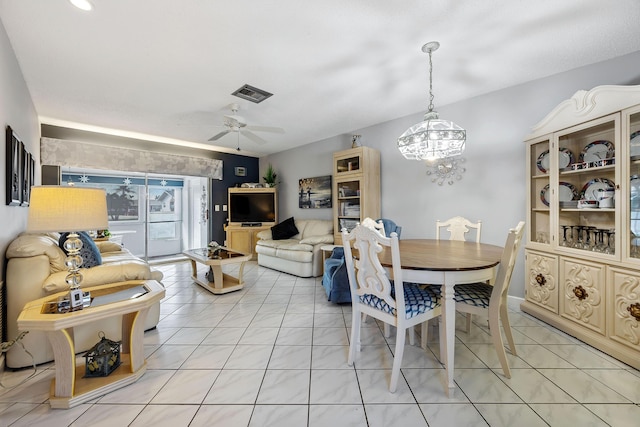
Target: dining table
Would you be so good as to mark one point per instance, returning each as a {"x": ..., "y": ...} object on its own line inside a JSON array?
[{"x": 446, "y": 263}]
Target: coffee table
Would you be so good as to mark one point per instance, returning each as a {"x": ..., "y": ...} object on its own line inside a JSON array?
[
  {"x": 69, "y": 388},
  {"x": 222, "y": 283}
]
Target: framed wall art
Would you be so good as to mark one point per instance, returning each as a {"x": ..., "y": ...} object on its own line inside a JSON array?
[
  {"x": 14, "y": 168},
  {"x": 314, "y": 193},
  {"x": 25, "y": 177},
  {"x": 240, "y": 171}
]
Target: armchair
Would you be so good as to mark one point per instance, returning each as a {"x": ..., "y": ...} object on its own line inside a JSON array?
[
  {"x": 335, "y": 280},
  {"x": 390, "y": 227}
]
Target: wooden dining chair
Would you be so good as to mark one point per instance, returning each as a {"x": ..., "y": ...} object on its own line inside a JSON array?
[
  {"x": 394, "y": 302},
  {"x": 483, "y": 298},
  {"x": 458, "y": 227}
]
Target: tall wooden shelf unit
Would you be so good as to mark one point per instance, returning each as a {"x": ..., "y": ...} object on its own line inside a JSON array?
[
  {"x": 241, "y": 238},
  {"x": 356, "y": 188},
  {"x": 583, "y": 264}
]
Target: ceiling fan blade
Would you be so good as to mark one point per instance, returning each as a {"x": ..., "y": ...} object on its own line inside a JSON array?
[
  {"x": 265, "y": 129},
  {"x": 252, "y": 136},
  {"x": 218, "y": 136}
]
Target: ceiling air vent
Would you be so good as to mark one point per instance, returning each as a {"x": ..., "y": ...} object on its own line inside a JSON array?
[{"x": 252, "y": 94}]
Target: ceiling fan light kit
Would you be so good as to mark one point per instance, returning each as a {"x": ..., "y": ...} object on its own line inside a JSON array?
[
  {"x": 235, "y": 123},
  {"x": 433, "y": 138}
]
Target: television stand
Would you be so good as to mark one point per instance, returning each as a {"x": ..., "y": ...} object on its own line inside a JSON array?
[
  {"x": 251, "y": 224},
  {"x": 243, "y": 238}
]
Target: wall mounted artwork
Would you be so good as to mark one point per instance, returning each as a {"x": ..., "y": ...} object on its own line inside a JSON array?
[
  {"x": 26, "y": 177},
  {"x": 20, "y": 171},
  {"x": 14, "y": 164},
  {"x": 314, "y": 193}
]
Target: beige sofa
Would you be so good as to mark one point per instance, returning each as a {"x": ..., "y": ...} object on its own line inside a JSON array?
[
  {"x": 299, "y": 255},
  {"x": 36, "y": 269}
]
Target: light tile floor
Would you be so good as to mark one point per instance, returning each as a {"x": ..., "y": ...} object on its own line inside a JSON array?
[{"x": 275, "y": 354}]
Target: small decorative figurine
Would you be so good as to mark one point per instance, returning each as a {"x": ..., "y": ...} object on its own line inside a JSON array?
[{"x": 355, "y": 141}]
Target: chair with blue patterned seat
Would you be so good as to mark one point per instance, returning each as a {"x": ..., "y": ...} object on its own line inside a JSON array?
[
  {"x": 483, "y": 298},
  {"x": 397, "y": 303},
  {"x": 458, "y": 228}
]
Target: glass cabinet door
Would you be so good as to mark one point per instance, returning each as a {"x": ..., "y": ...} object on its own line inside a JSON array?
[
  {"x": 587, "y": 186},
  {"x": 631, "y": 133},
  {"x": 539, "y": 191},
  {"x": 348, "y": 162},
  {"x": 349, "y": 212}
]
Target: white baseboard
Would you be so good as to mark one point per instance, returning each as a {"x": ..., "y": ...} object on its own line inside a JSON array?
[{"x": 514, "y": 302}]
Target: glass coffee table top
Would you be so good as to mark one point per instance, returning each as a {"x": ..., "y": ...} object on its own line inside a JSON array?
[{"x": 220, "y": 253}]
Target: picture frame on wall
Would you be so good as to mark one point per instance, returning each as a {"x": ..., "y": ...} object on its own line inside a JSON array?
[
  {"x": 32, "y": 175},
  {"x": 25, "y": 177},
  {"x": 314, "y": 193},
  {"x": 14, "y": 150},
  {"x": 240, "y": 171}
]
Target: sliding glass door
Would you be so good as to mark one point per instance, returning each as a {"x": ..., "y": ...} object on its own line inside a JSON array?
[
  {"x": 164, "y": 221},
  {"x": 152, "y": 216}
]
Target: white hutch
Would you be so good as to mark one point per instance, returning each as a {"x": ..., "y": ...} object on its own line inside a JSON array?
[{"x": 583, "y": 249}]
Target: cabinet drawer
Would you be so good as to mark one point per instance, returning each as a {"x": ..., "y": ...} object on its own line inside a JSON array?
[
  {"x": 582, "y": 298},
  {"x": 624, "y": 307},
  {"x": 542, "y": 279}
]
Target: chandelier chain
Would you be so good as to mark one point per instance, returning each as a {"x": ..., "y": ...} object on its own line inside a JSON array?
[{"x": 430, "y": 82}]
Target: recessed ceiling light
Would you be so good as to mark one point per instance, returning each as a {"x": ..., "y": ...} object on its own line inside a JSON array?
[{"x": 82, "y": 4}]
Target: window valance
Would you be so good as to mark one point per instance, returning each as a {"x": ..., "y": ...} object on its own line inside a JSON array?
[{"x": 65, "y": 153}]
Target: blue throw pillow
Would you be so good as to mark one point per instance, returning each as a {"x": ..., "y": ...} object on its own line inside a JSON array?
[
  {"x": 284, "y": 230},
  {"x": 90, "y": 253}
]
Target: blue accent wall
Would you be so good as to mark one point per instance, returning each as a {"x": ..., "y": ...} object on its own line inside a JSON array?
[{"x": 219, "y": 188}]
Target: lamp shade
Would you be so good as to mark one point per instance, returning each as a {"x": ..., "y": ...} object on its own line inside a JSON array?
[{"x": 56, "y": 208}]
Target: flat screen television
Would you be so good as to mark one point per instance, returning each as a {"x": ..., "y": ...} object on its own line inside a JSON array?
[{"x": 252, "y": 207}]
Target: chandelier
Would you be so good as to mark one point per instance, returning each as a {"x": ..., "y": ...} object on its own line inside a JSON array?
[
  {"x": 432, "y": 138},
  {"x": 447, "y": 170}
]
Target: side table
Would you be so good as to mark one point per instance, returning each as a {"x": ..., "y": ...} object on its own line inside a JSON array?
[{"x": 69, "y": 388}]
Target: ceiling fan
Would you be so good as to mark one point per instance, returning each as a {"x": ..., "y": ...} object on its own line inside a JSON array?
[{"x": 235, "y": 123}]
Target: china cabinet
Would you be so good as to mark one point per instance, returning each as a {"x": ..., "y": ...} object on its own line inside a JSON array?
[
  {"x": 356, "y": 188},
  {"x": 583, "y": 214}
]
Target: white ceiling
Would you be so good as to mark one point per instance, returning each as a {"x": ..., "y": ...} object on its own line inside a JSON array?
[{"x": 164, "y": 69}]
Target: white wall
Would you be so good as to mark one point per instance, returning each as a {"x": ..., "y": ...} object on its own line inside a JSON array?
[
  {"x": 16, "y": 110},
  {"x": 492, "y": 188}
]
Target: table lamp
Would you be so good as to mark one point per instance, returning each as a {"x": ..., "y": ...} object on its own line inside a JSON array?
[{"x": 72, "y": 209}]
